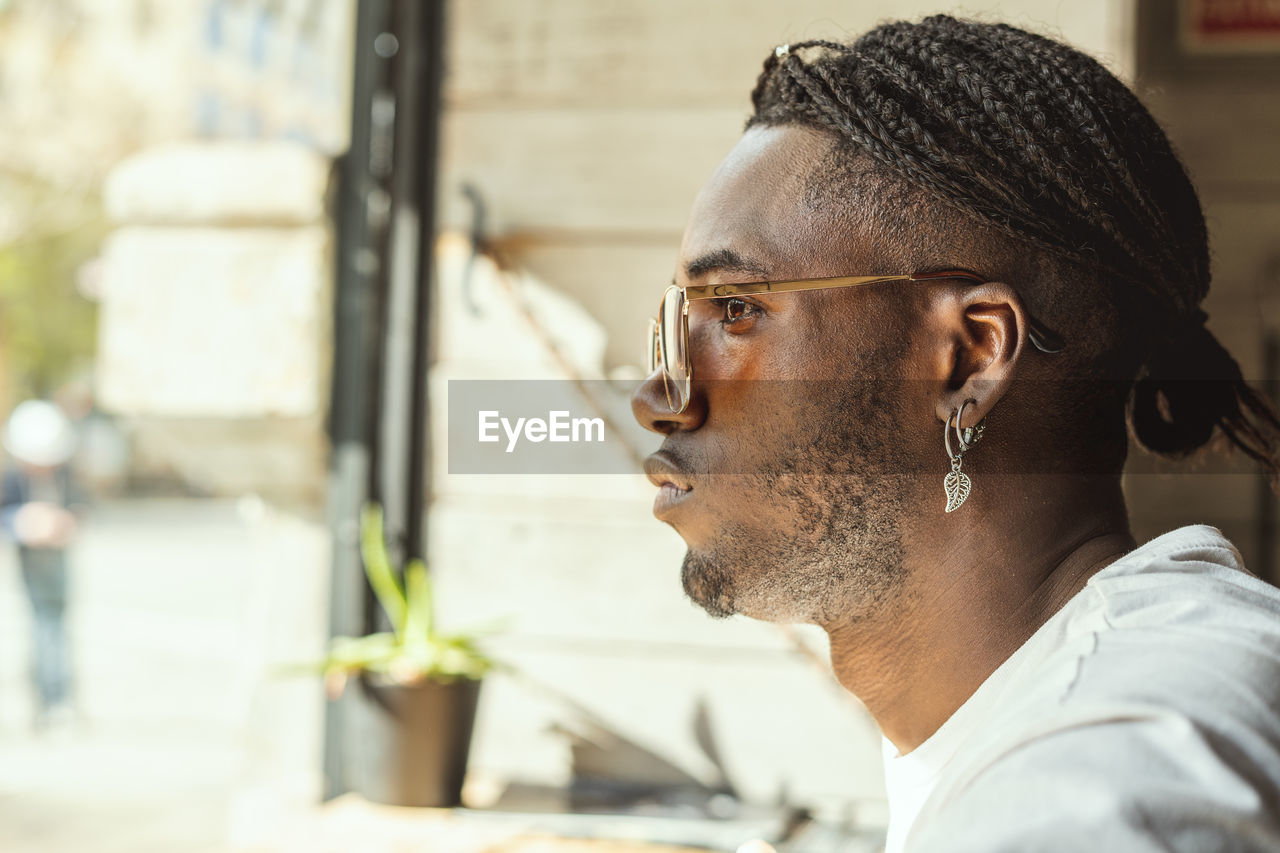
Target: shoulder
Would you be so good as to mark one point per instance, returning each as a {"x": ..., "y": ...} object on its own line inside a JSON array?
[
  {"x": 1187, "y": 626},
  {"x": 1147, "y": 720},
  {"x": 1150, "y": 782},
  {"x": 1192, "y": 574}
]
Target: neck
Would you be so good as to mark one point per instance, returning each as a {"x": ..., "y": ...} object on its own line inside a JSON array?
[{"x": 979, "y": 584}]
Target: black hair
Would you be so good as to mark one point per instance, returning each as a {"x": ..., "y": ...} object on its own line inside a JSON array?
[{"x": 1047, "y": 147}]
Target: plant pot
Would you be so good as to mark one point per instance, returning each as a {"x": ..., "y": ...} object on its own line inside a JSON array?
[{"x": 414, "y": 749}]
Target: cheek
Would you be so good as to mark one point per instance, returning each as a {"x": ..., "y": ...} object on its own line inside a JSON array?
[
  {"x": 834, "y": 333},
  {"x": 779, "y": 347},
  {"x": 764, "y": 390},
  {"x": 754, "y": 426},
  {"x": 719, "y": 357}
]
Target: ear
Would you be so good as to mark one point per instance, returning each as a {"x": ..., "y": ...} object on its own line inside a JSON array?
[{"x": 981, "y": 332}]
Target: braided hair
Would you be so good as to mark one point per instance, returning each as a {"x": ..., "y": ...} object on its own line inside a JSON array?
[{"x": 1046, "y": 146}]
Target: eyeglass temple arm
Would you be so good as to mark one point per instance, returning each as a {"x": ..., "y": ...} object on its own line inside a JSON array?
[
  {"x": 716, "y": 291},
  {"x": 1041, "y": 337}
]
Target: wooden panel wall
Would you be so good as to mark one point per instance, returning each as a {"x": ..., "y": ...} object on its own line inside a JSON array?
[
  {"x": 593, "y": 124},
  {"x": 1222, "y": 113}
]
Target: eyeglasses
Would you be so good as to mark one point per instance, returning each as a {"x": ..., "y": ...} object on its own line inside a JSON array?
[{"x": 668, "y": 343}]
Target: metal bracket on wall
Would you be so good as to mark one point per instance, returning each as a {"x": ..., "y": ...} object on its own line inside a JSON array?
[{"x": 478, "y": 244}]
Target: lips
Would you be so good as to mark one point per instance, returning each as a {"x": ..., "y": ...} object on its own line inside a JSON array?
[{"x": 674, "y": 486}]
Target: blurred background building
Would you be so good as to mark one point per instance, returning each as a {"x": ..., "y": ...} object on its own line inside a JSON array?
[{"x": 179, "y": 269}]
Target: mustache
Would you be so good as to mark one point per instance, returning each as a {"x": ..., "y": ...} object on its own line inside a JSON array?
[{"x": 679, "y": 459}]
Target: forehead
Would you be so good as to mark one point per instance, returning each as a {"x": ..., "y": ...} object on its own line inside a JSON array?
[{"x": 757, "y": 204}]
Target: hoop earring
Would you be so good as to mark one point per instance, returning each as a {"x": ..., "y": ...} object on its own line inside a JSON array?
[{"x": 957, "y": 484}]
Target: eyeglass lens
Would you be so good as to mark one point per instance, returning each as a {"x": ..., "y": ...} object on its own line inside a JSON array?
[{"x": 671, "y": 342}]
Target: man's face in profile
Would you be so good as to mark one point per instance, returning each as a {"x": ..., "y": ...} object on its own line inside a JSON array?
[{"x": 785, "y": 475}]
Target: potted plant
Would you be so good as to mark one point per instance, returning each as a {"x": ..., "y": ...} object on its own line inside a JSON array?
[{"x": 425, "y": 682}]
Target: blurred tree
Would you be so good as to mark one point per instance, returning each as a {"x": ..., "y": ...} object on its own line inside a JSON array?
[{"x": 47, "y": 326}]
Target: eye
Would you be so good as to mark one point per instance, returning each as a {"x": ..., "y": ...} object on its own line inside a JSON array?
[{"x": 736, "y": 308}]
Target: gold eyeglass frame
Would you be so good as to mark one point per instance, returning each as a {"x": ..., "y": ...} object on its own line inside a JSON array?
[{"x": 1041, "y": 337}]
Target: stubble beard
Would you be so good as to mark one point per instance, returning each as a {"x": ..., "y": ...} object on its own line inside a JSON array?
[{"x": 833, "y": 548}]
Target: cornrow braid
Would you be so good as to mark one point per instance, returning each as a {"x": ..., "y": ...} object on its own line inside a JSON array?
[{"x": 1047, "y": 146}]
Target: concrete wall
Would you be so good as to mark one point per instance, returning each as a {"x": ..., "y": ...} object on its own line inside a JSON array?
[{"x": 214, "y": 329}]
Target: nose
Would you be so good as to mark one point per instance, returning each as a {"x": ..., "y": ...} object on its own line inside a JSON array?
[{"x": 650, "y": 407}]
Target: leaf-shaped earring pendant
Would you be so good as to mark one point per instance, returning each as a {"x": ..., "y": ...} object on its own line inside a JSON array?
[{"x": 957, "y": 486}]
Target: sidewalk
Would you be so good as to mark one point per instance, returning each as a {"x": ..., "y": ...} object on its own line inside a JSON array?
[{"x": 174, "y": 617}]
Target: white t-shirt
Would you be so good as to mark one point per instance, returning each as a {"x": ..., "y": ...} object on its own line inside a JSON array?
[{"x": 1143, "y": 716}]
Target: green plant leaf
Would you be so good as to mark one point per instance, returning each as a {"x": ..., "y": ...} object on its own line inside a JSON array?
[
  {"x": 414, "y": 651},
  {"x": 377, "y": 567},
  {"x": 419, "y": 620}
]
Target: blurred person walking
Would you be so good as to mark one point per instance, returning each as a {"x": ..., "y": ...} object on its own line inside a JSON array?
[{"x": 39, "y": 502}]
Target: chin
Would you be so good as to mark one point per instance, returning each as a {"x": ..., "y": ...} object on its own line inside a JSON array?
[
  {"x": 723, "y": 590},
  {"x": 708, "y": 584}
]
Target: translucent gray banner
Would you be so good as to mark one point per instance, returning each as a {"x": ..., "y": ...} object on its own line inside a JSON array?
[{"x": 545, "y": 427}]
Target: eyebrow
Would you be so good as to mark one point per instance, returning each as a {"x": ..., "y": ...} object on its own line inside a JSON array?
[{"x": 724, "y": 260}]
